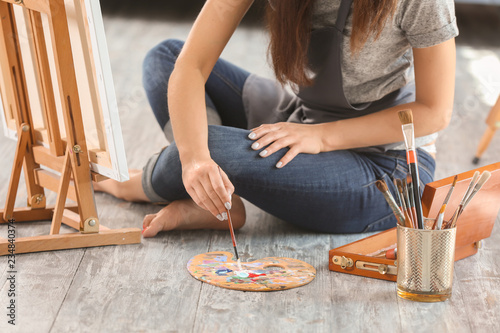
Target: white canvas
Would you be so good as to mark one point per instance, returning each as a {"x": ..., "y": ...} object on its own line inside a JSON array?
[{"x": 95, "y": 86}]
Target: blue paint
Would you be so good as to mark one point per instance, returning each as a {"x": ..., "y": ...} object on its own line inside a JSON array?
[
  {"x": 221, "y": 258},
  {"x": 223, "y": 272}
]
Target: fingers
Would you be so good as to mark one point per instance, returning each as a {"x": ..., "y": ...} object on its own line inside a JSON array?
[
  {"x": 220, "y": 192},
  {"x": 264, "y": 135},
  {"x": 229, "y": 189},
  {"x": 258, "y": 132},
  {"x": 211, "y": 190},
  {"x": 290, "y": 155},
  {"x": 277, "y": 145},
  {"x": 277, "y": 137},
  {"x": 205, "y": 197}
]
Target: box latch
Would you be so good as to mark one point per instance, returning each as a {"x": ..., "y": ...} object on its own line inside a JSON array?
[
  {"x": 343, "y": 261},
  {"x": 381, "y": 268}
]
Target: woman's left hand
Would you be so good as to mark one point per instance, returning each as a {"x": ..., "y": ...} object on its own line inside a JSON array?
[{"x": 300, "y": 138}]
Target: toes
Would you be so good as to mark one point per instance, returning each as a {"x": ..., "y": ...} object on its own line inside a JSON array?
[
  {"x": 153, "y": 228},
  {"x": 147, "y": 220}
]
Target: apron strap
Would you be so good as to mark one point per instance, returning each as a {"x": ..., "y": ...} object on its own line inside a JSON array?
[
  {"x": 343, "y": 14},
  {"x": 325, "y": 56}
]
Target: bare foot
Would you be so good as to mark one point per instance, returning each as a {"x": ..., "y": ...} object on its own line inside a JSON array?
[
  {"x": 187, "y": 215},
  {"x": 130, "y": 190}
]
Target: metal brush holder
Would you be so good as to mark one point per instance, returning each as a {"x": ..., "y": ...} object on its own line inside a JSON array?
[{"x": 425, "y": 263}]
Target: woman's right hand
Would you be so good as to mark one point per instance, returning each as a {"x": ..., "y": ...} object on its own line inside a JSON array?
[{"x": 208, "y": 185}]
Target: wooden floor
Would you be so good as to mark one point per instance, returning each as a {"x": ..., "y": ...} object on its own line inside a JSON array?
[{"x": 146, "y": 287}]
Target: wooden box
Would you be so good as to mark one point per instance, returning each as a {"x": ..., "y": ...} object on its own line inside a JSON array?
[{"x": 474, "y": 225}]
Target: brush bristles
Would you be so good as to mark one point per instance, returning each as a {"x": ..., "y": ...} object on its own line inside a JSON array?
[
  {"x": 408, "y": 179},
  {"x": 405, "y": 116},
  {"x": 454, "y": 181},
  {"x": 484, "y": 177},
  {"x": 382, "y": 186},
  {"x": 400, "y": 186}
]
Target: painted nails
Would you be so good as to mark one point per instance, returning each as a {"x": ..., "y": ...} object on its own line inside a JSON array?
[
  {"x": 255, "y": 145},
  {"x": 252, "y": 135},
  {"x": 263, "y": 153},
  {"x": 222, "y": 217},
  {"x": 227, "y": 205},
  {"x": 279, "y": 165}
]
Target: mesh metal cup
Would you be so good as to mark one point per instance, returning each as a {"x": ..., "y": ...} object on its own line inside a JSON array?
[{"x": 425, "y": 264}]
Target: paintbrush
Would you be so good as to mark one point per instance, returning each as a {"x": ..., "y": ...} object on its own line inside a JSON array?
[
  {"x": 439, "y": 220},
  {"x": 411, "y": 199},
  {"x": 482, "y": 180},
  {"x": 407, "y": 201},
  {"x": 230, "y": 222},
  {"x": 471, "y": 186},
  {"x": 398, "y": 201},
  {"x": 382, "y": 187},
  {"x": 406, "y": 118},
  {"x": 464, "y": 198},
  {"x": 408, "y": 221},
  {"x": 231, "y": 230}
]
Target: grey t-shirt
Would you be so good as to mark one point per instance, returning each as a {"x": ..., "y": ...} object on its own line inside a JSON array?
[
  {"x": 384, "y": 65},
  {"x": 381, "y": 67}
]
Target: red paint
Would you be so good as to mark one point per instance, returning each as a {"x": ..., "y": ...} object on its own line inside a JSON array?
[
  {"x": 411, "y": 157},
  {"x": 252, "y": 275}
]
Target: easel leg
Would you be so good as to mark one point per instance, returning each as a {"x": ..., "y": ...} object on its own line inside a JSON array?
[
  {"x": 493, "y": 122},
  {"x": 61, "y": 196},
  {"x": 16, "y": 172}
]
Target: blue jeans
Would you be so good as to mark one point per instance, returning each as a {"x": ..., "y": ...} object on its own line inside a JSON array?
[{"x": 331, "y": 192}]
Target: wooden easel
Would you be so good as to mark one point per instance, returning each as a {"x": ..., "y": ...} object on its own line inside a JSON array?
[
  {"x": 493, "y": 123},
  {"x": 69, "y": 157}
]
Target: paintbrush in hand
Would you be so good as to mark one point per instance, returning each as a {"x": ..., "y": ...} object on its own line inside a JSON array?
[
  {"x": 406, "y": 118},
  {"x": 231, "y": 229},
  {"x": 439, "y": 220},
  {"x": 382, "y": 187}
]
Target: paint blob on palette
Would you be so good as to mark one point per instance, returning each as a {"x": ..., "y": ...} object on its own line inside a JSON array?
[{"x": 267, "y": 274}]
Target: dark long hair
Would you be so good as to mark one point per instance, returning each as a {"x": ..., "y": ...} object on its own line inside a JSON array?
[{"x": 289, "y": 24}]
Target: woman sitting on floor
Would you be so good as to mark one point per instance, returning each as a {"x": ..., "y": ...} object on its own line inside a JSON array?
[{"x": 311, "y": 157}]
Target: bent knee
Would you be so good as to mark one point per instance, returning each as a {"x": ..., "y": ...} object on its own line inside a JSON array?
[{"x": 159, "y": 63}]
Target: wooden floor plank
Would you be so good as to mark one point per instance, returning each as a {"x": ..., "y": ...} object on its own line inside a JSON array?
[
  {"x": 134, "y": 287},
  {"x": 41, "y": 283},
  {"x": 269, "y": 311}
]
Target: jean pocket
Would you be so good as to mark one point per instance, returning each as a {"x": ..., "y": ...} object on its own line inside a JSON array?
[{"x": 386, "y": 222}]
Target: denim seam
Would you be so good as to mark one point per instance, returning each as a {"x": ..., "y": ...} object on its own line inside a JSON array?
[
  {"x": 371, "y": 226},
  {"x": 228, "y": 82}
]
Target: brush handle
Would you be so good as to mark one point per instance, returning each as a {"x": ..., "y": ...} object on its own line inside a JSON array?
[
  {"x": 408, "y": 208},
  {"x": 395, "y": 209},
  {"x": 439, "y": 221},
  {"x": 416, "y": 193},
  {"x": 233, "y": 238}
]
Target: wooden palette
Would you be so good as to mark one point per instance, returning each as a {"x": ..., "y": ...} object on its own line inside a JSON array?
[{"x": 267, "y": 274}]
